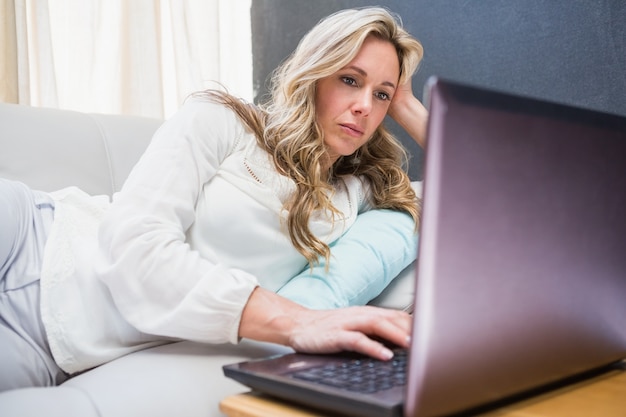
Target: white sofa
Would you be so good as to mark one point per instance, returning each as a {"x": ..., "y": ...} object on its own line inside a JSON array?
[{"x": 49, "y": 149}]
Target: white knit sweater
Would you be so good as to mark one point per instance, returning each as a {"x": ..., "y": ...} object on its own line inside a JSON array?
[{"x": 197, "y": 225}]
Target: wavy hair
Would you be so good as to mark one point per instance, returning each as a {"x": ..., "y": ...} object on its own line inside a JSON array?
[{"x": 286, "y": 125}]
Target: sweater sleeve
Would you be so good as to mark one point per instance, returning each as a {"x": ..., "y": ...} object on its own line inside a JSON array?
[
  {"x": 158, "y": 283},
  {"x": 378, "y": 246}
]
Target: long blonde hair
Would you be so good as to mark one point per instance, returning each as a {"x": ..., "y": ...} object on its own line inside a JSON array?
[{"x": 286, "y": 125}]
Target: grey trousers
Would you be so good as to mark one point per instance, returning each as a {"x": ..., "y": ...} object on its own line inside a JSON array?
[{"x": 25, "y": 220}]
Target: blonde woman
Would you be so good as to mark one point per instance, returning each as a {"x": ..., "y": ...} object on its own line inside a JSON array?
[{"x": 227, "y": 217}]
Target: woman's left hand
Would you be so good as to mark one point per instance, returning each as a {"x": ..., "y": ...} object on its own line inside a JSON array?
[{"x": 409, "y": 112}]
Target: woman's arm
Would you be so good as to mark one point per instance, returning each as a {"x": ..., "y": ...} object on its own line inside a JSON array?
[
  {"x": 409, "y": 113},
  {"x": 272, "y": 318},
  {"x": 159, "y": 284}
]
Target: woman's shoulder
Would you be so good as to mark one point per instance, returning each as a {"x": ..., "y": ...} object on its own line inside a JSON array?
[
  {"x": 203, "y": 117},
  {"x": 206, "y": 107}
]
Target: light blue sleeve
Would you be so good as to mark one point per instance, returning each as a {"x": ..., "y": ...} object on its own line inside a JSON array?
[{"x": 378, "y": 246}]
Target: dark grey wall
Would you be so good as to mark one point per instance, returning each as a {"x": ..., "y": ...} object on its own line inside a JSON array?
[{"x": 568, "y": 51}]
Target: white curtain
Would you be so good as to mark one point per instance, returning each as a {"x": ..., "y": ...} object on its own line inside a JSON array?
[{"x": 135, "y": 57}]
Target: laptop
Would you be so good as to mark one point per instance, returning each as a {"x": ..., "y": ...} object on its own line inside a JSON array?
[{"x": 521, "y": 270}]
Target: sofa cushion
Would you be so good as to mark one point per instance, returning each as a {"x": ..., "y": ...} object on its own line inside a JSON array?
[
  {"x": 182, "y": 378},
  {"x": 378, "y": 246},
  {"x": 63, "y": 401}
]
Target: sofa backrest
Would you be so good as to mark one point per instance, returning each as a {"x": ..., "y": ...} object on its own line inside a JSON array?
[{"x": 49, "y": 149}]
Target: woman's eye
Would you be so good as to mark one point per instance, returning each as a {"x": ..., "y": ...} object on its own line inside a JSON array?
[
  {"x": 382, "y": 96},
  {"x": 348, "y": 80}
]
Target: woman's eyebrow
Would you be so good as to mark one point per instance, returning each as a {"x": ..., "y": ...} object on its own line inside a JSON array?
[{"x": 364, "y": 74}]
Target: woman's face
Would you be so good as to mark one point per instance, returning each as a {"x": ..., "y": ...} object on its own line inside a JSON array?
[{"x": 353, "y": 102}]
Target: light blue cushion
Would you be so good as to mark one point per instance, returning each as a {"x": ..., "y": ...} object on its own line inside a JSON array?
[{"x": 380, "y": 245}]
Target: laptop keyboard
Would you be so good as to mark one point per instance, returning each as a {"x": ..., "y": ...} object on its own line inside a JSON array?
[{"x": 364, "y": 375}]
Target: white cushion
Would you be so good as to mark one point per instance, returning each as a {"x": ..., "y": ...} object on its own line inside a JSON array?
[{"x": 400, "y": 293}]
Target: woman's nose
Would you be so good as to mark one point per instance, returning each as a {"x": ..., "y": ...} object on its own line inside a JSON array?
[{"x": 363, "y": 103}]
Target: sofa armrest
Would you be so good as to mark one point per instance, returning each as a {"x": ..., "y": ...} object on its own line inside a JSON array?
[{"x": 50, "y": 149}]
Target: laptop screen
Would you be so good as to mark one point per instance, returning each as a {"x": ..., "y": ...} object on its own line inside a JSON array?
[{"x": 521, "y": 270}]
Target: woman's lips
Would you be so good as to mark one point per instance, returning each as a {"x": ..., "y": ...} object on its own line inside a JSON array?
[{"x": 352, "y": 130}]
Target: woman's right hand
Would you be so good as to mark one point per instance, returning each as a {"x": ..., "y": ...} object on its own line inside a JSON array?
[
  {"x": 271, "y": 318},
  {"x": 351, "y": 329}
]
